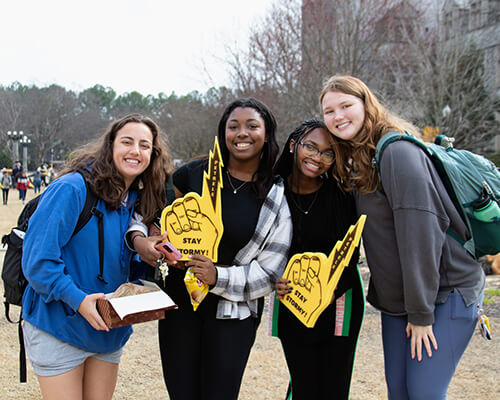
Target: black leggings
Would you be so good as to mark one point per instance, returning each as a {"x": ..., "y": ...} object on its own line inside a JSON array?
[
  {"x": 320, "y": 363},
  {"x": 203, "y": 358},
  {"x": 5, "y": 195}
]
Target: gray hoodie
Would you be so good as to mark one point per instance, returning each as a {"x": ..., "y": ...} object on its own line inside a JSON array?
[{"x": 414, "y": 264}]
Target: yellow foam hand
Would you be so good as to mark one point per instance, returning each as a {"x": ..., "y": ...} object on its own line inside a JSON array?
[
  {"x": 304, "y": 273},
  {"x": 314, "y": 276},
  {"x": 194, "y": 222}
]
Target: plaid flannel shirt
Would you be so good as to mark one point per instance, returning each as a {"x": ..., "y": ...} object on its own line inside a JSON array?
[{"x": 258, "y": 264}]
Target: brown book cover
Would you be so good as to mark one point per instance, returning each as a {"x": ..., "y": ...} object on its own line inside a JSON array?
[{"x": 141, "y": 310}]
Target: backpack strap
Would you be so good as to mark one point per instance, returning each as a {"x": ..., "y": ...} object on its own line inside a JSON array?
[
  {"x": 384, "y": 141},
  {"x": 86, "y": 214},
  {"x": 22, "y": 353},
  {"x": 100, "y": 226},
  {"x": 90, "y": 209},
  {"x": 391, "y": 137},
  {"x": 7, "y": 314}
]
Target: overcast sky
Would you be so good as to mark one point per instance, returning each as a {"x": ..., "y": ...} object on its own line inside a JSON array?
[{"x": 151, "y": 46}]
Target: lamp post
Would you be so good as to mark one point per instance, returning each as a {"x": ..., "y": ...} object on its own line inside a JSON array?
[
  {"x": 25, "y": 142},
  {"x": 15, "y": 136},
  {"x": 54, "y": 144}
]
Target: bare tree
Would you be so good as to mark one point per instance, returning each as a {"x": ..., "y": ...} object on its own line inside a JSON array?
[
  {"x": 42, "y": 113},
  {"x": 395, "y": 46},
  {"x": 11, "y": 110},
  {"x": 190, "y": 125},
  {"x": 299, "y": 44},
  {"x": 440, "y": 81}
]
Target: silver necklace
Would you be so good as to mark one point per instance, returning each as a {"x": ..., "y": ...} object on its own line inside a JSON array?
[
  {"x": 235, "y": 190},
  {"x": 310, "y": 205}
]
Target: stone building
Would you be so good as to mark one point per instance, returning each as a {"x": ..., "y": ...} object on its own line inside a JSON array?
[
  {"x": 474, "y": 20},
  {"x": 478, "y": 20}
]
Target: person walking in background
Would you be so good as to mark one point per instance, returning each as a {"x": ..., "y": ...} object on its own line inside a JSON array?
[
  {"x": 43, "y": 171},
  {"x": 204, "y": 352},
  {"x": 22, "y": 186},
  {"x": 51, "y": 173},
  {"x": 6, "y": 185},
  {"x": 426, "y": 285},
  {"x": 321, "y": 213},
  {"x": 16, "y": 173},
  {"x": 37, "y": 181},
  {"x": 73, "y": 353}
]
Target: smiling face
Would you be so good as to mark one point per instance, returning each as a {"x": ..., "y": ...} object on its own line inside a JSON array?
[
  {"x": 245, "y": 135},
  {"x": 344, "y": 114},
  {"x": 132, "y": 149},
  {"x": 309, "y": 165}
]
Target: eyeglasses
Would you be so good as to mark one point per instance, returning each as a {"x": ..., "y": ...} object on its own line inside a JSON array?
[{"x": 310, "y": 151}]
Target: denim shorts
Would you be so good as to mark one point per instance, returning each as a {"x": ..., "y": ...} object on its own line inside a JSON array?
[{"x": 50, "y": 356}]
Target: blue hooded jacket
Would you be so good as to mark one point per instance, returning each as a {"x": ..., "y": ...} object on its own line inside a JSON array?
[{"x": 62, "y": 270}]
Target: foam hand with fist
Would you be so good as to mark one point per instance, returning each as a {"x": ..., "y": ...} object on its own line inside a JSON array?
[{"x": 313, "y": 277}]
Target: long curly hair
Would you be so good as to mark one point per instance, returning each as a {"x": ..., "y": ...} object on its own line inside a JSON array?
[
  {"x": 264, "y": 175},
  {"x": 95, "y": 161},
  {"x": 353, "y": 158}
]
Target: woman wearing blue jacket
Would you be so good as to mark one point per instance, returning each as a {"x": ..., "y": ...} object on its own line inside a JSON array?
[{"x": 73, "y": 353}]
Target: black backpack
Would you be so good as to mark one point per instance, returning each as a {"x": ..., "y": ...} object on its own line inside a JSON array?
[{"x": 13, "y": 278}]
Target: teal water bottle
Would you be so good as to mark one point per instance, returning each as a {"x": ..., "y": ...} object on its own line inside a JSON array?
[{"x": 485, "y": 209}]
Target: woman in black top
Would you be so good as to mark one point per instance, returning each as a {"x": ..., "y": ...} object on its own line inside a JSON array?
[
  {"x": 204, "y": 352},
  {"x": 319, "y": 359}
]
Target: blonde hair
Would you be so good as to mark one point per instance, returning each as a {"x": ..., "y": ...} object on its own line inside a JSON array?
[{"x": 353, "y": 163}]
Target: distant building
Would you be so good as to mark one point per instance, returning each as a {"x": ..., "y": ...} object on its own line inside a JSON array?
[{"x": 478, "y": 20}]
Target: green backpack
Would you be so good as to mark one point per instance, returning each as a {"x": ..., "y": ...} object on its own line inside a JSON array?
[{"x": 469, "y": 179}]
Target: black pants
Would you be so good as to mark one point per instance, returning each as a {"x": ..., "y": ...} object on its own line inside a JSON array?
[
  {"x": 320, "y": 363},
  {"x": 5, "y": 195},
  {"x": 203, "y": 358}
]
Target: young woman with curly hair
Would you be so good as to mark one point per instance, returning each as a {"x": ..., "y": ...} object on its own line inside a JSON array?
[{"x": 73, "y": 353}]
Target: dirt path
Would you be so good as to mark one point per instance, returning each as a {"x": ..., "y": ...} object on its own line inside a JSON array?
[{"x": 266, "y": 377}]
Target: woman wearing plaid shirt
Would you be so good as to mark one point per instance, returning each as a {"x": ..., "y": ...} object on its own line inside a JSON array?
[{"x": 204, "y": 353}]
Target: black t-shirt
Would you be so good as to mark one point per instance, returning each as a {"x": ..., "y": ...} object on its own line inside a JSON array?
[
  {"x": 330, "y": 213},
  {"x": 240, "y": 211}
]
